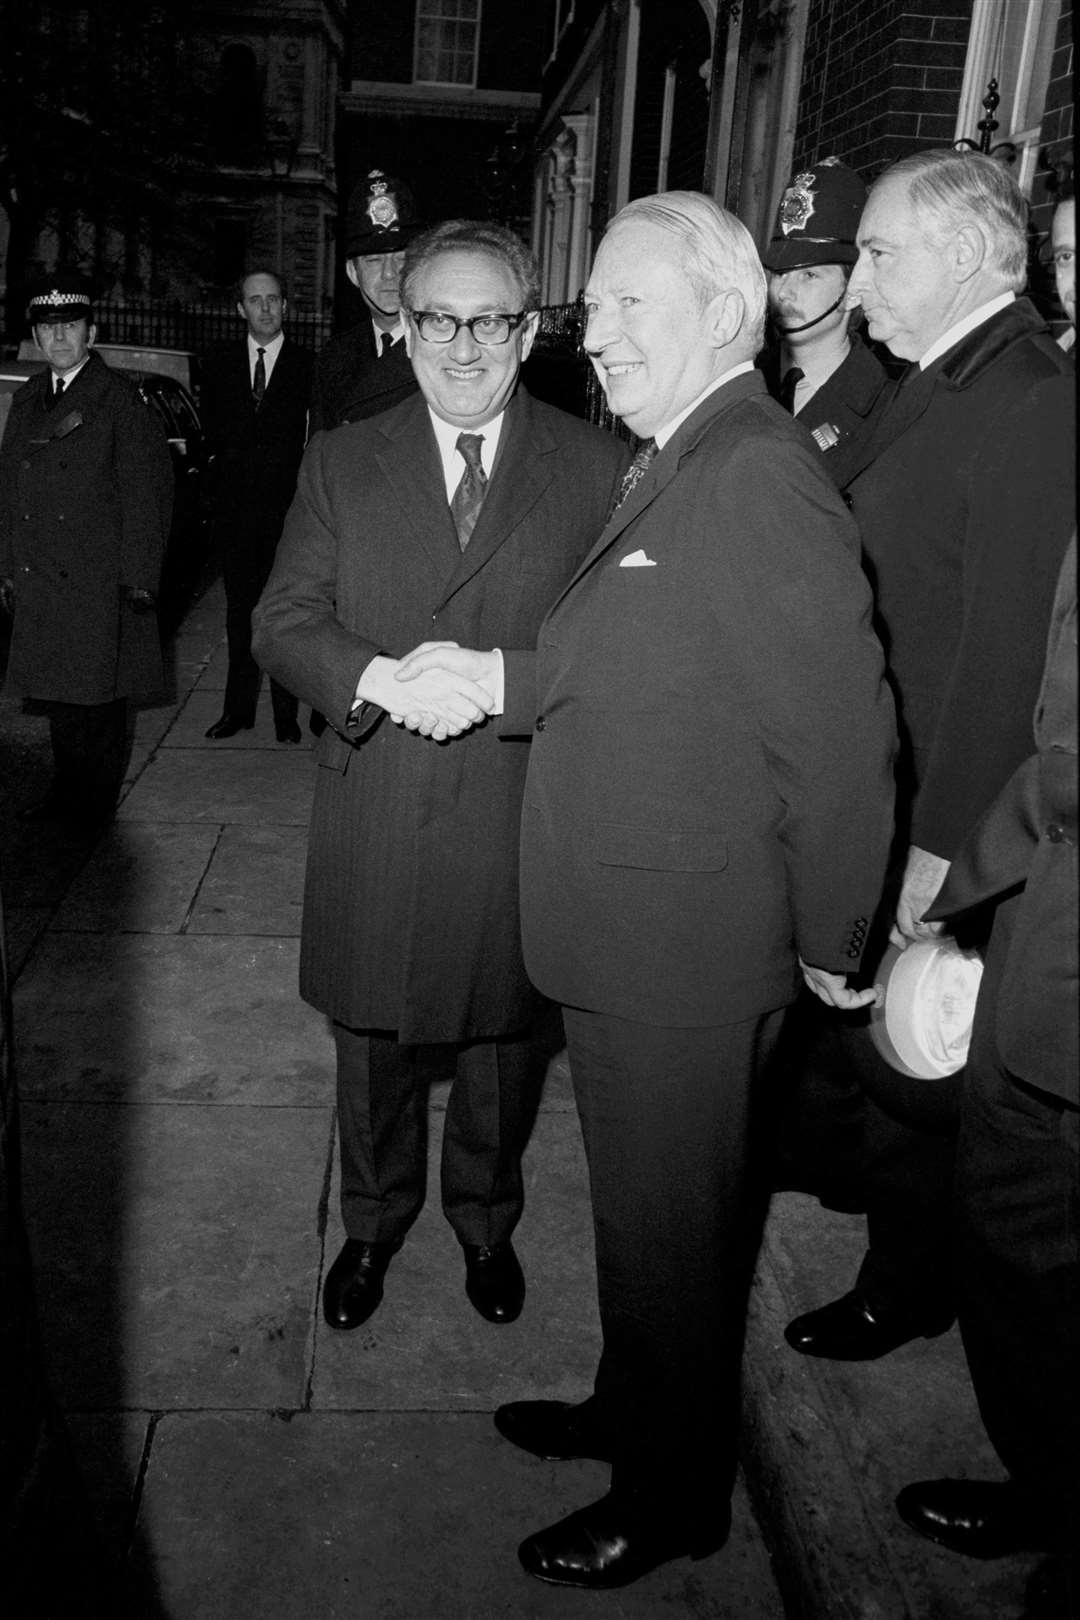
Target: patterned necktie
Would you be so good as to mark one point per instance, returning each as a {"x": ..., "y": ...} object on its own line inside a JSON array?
[
  {"x": 469, "y": 495},
  {"x": 258, "y": 386},
  {"x": 791, "y": 380},
  {"x": 634, "y": 473}
]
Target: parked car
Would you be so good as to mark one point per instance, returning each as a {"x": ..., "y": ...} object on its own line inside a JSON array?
[{"x": 186, "y": 556}]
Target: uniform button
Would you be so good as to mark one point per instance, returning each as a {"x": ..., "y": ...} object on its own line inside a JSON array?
[
  {"x": 541, "y": 723},
  {"x": 852, "y": 952},
  {"x": 847, "y": 500},
  {"x": 1055, "y": 833}
]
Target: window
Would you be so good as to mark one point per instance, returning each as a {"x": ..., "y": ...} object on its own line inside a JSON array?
[
  {"x": 1014, "y": 44},
  {"x": 447, "y": 40}
]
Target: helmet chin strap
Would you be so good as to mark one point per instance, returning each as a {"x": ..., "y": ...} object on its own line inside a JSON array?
[{"x": 789, "y": 331}]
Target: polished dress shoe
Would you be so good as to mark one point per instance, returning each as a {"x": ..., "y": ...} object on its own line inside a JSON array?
[
  {"x": 228, "y": 726},
  {"x": 611, "y": 1543},
  {"x": 353, "y": 1289},
  {"x": 494, "y": 1281},
  {"x": 554, "y": 1430},
  {"x": 848, "y": 1330},
  {"x": 288, "y": 733},
  {"x": 983, "y": 1518}
]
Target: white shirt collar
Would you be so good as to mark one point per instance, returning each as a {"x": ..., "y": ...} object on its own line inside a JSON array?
[
  {"x": 662, "y": 435},
  {"x": 270, "y": 350},
  {"x": 453, "y": 463},
  {"x": 68, "y": 377},
  {"x": 962, "y": 328},
  {"x": 397, "y": 333}
]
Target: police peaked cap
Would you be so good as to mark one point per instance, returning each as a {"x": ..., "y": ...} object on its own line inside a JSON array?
[
  {"x": 380, "y": 217},
  {"x": 63, "y": 296},
  {"x": 818, "y": 218}
]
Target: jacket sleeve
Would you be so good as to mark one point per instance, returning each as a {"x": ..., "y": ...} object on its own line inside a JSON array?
[{"x": 144, "y": 477}]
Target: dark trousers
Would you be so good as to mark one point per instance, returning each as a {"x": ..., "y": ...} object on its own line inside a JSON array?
[
  {"x": 1018, "y": 1253},
  {"x": 382, "y": 1090},
  {"x": 90, "y": 749},
  {"x": 247, "y": 558},
  {"x": 861, "y": 1137},
  {"x": 669, "y": 1120}
]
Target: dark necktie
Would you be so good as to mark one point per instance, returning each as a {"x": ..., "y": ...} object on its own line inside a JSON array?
[
  {"x": 58, "y": 388},
  {"x": 258, "y": 385},
  {"x": 386, "y": 343},
  {"x": 791, "y": 379},
  {"x": 634, "y": 473},
  {"x": 469, "y": 495}
]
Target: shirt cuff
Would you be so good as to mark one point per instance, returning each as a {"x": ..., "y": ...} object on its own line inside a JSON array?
[{"x": 500, "y": 682}]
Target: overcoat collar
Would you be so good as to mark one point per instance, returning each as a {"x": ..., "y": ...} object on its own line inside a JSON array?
[
  {"x": 526, "y": 465},
  {"x": 664, "y": 466}
]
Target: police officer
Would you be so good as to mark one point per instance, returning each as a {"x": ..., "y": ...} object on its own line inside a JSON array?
[
  {"x": 86, "y": 489},
  {"x": 820, "y": 368},
  {"x": 366, "y": 370}
]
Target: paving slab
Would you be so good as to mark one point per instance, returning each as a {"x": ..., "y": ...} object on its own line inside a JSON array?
[
  {"x": 24, "y": 926},
  {"x": 828, "y": 1444},
  {"x": 246, "y": 786},
  {"x": 141, "y": 878},
  {"x": 157, "y": 1017},
  {"x": 390, "y": 1517},
  {"x": 176, "y": 1251},
  {"x": 427, "y": 1347},
  {"x": 254, "y": 884}
]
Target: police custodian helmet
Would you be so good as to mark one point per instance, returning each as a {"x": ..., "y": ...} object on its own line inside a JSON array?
[
  {"x": 380, "y": 217},
  {"x": 818, "y": 218}
]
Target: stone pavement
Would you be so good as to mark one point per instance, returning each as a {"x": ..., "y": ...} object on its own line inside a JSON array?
[{"x": 180, "y": 1176}]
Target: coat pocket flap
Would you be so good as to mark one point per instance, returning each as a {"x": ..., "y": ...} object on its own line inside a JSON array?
[{"x": 659, "y": 850}]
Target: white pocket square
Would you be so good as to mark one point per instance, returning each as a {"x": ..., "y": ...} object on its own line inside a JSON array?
[{"x": 637, "y": 559}]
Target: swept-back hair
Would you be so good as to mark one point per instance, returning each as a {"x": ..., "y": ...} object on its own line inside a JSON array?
[
  {"x": 952, "y": 189},
  {"x": 472, "y": 236},
  {"x": 718, "y": 250}
]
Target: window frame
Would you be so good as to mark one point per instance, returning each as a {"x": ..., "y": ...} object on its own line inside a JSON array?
[{"x": 432, "y": 11}]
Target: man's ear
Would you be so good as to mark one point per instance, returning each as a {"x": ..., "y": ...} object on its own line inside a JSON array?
[
  {"x": 530, "y": 329},
  {"x": 91, "y": 335},
  {"x": 241, "y": 311},
  {"x": 968, "y": 252},
  {"x": 727, "y": 311},
  {"x": 352, "y": 270}
]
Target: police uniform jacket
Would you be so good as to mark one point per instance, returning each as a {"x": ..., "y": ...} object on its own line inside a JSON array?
[
  {"x": 411, "y": 901},
  {"x": 844, "y": 410},
  {"x": 964, "y": 509},
  {"x": 353, "y": 381},
  {"x": 86, "y": 487},
  {"x": 710, "y": 783}
]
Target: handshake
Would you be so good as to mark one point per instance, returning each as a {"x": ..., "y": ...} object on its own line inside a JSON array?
[{"x": 438, "y": 690}]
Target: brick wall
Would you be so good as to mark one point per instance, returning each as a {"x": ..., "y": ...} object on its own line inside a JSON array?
[
  {"x": 1057, "y": 125},
  {"x": 880, "y": 79}
]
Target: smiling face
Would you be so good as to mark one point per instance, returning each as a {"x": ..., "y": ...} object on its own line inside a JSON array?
[
  {"x": 262, "y": 307},
  {"x": 465, "y": 382},
  {"x": 378, "y": 276},
  {"x": 648, "y": 334},
  {"x": 65, "y": 344},
  {"x": 798, "y": 297},
  {"x": 907, "y": 286}
]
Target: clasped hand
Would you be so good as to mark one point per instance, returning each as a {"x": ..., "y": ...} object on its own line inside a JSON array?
[{"x": 444, "y": 689}]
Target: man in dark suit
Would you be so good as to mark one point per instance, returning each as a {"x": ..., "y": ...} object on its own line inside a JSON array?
[
  {"x": 255, "y": 400},
  {"x": 962, "y": 501},
  {"x": 708, "y": 811},
  {"x": 1017, "y": 1180},
  {"x": 86, "y": 489},
  {"x": 820, "y": 368},
  {"x": 366, "y": 370},
  {"x": 460, "y": 514}
]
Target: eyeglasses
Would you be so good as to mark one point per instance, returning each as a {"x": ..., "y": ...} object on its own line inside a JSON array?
[{"x": 435, "y": 326}]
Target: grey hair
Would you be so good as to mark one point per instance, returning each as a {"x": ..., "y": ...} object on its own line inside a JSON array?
[
  {"x": 472, "y": 236},
  {"x": 718, "y": 250},
  {"x": 955, "y": 189}
]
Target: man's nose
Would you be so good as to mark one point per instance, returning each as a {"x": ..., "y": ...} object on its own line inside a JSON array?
[
  {"x": 464, "y": 346},
  {"x": 857, "y": 281},
  {"x": 599, "y": 331}
]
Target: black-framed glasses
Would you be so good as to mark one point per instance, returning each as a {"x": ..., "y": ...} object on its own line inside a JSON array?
[{"x": 435, "y": 326}]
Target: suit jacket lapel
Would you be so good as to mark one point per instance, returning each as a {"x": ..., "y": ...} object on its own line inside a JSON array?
[{"x": 409, "y": 459}]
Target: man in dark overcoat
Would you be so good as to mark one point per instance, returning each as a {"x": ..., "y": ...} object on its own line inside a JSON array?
[
  {"x": 964, "y": 503},
  {"x": 366, "y": 370},
  {"x": 708, "y": 804},
  {"x": 255, "y": 396},
  {"x": 86, "y": 488},
  {"x": 458, "y": 516}
]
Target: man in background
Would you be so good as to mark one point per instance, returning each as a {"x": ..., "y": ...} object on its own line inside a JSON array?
[{"x": 255, "y": 398}]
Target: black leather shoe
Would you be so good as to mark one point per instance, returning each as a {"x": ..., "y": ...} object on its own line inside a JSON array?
[
  {"x": 494, "y": 1281},
  {"x": 983, "y": 1518},
  {"x": 553, "y": 1430},
  {"x": 353, "y": 1289},
  {"x": 848, "y": 1330},
  {"x": 288, "y": 733},
  {"x": 610, "y": 1543},
  {"x": 228, "y": 726}
]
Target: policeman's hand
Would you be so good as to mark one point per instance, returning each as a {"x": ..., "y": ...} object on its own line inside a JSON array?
[
  {"x": 7, "y": 595},
  {"x": 834, "y": 990},
  {"x": 140, "y": 601},
  {"x": 923, "y": 876}
]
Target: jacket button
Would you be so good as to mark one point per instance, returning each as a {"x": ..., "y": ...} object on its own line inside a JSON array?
[
  {"x": 1055, "y": 833},
  {"x": 847, "y": 500},
  {"x": 541, "y": 723},
  {"x": 852, "y": 951}
]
